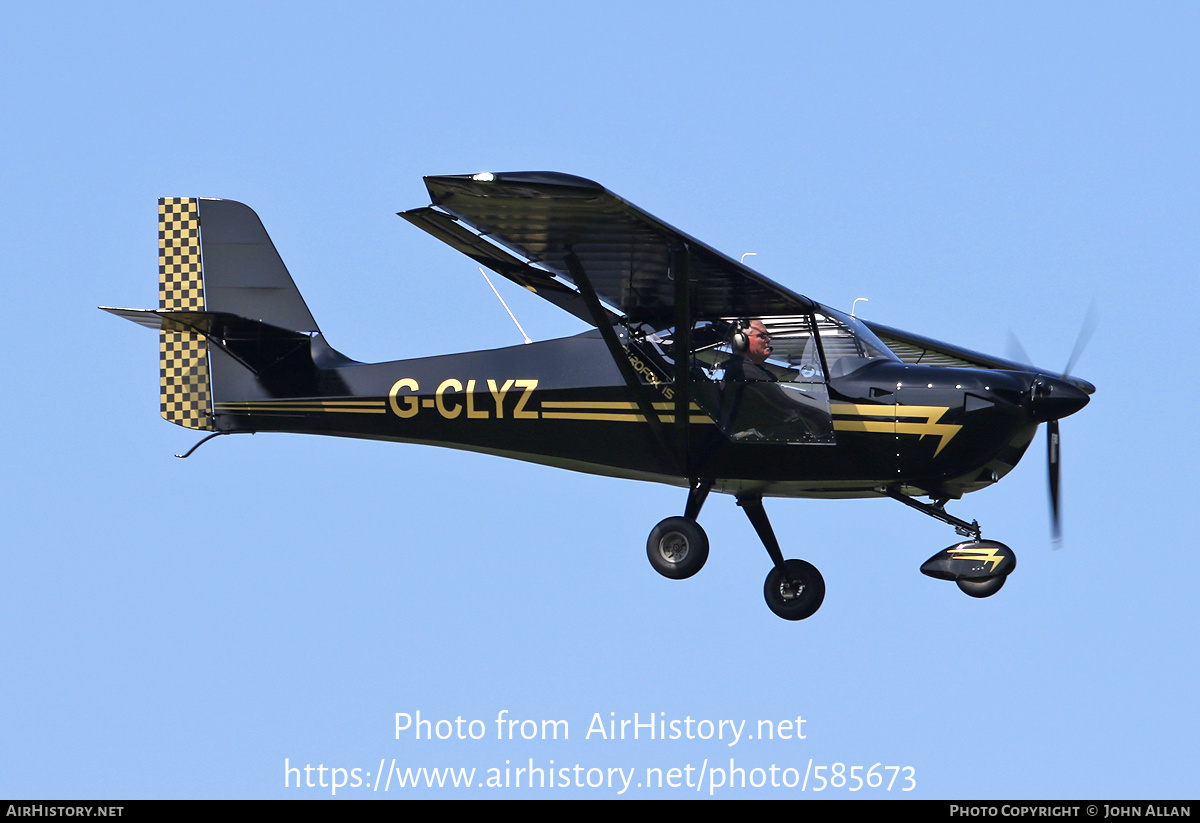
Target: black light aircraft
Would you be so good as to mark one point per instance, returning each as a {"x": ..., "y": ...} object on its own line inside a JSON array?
[{"x": 699, "y": 372}]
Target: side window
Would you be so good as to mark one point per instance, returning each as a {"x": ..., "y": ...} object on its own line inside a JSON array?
[{"x": 783, "y": 399}]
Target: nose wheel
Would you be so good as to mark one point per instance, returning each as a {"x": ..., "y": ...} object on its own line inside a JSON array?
[
  {"x": 981, "y": 588},
  {"x": 979, "y": 567}
]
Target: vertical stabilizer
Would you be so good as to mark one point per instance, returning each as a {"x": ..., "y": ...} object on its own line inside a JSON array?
[{"x": 184, "y": 390}]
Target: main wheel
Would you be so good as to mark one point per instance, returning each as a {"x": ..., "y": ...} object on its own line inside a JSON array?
[
  {"x": 677, "y": 548},
  {"x": 982, "y": 588},
  {"x": 794, "y": 591}
]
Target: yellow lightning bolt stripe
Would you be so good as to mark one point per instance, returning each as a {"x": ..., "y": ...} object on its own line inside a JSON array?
[
  {"x": 343, "y": 406},
  {"x": 613, "y": 411},
  {"x": 897, "y": 424},
  {"x": 305, "y": 402},
  {"x": 606, "y": 404},
  {"x": 620, "y": 411},
  {"x": 583, "y": 415},
  {"x": 596, "y": 404},
  {"x": 986, "y": 555},
  {"x": 615, "y": 416}
]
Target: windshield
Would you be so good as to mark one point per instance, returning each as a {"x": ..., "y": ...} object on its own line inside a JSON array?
[{"x": 849, "y": 345}]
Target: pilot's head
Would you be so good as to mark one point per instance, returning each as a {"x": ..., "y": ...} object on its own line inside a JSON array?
[{"x": 758, "y": 343}]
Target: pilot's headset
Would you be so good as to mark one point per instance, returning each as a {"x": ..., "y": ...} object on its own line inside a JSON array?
[{"x": 740, "y": 343}]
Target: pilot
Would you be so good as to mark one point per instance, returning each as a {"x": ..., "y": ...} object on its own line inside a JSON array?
[
  {"x": 751, "y": 412},
  {"x": 751, "y": 347}
]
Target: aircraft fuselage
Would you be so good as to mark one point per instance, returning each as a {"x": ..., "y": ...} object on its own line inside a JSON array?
[{"x": 942, "y": 431}]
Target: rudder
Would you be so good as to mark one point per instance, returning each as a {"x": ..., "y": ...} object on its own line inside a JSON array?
[{"x": 185, "y": 388}]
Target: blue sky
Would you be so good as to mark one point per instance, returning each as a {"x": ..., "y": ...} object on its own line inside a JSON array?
[{"x": 182, "y": 628}]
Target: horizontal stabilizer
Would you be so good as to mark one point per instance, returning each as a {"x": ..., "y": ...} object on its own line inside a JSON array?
[
  {"x": 149, "y": 318},
  {"x": 257, "y": 346}
]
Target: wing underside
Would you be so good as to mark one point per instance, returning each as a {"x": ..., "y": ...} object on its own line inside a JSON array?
[{"x": 545, "y": 231}]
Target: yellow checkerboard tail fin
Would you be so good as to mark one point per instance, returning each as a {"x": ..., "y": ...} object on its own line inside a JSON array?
[
  {"x": 233, "y": 327},
  {"x": 185, "y": 389}
]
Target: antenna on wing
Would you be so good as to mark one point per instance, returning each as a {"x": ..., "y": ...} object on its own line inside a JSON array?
[
  {"x": 855, "y": 304},
  {"x": 505, "y": 305},
  {"x": 748, "y": 254}
]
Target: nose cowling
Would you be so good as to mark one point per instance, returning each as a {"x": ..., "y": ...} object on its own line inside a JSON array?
[{"x": 1052, "y": 398}]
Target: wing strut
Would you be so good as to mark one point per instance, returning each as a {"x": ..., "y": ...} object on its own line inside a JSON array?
[{"x": 620, "y": 358}]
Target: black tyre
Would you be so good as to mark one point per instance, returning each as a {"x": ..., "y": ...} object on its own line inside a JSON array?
[
  {"x": 794, "y": 591},
  {"x": 677, "y": 548},
  {"x": 982, "y": 588}
]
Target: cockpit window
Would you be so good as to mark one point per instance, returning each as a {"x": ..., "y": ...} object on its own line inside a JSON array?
[{"x": 841, "y": 343}]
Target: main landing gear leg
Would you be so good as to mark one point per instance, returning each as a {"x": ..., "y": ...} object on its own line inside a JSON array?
[
  {"x": 678, "y": 547},
  {"x": 697, "y": 494},
  {"x": 794, "y": 589},
  {"x": 979, "y": 567}
]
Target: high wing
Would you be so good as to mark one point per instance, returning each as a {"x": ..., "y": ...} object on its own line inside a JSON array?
[
  {"x": 549, "y": 232},
  {"x": 560, "y": 229}
]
